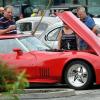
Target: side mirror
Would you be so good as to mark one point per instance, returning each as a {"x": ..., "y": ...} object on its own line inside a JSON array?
[{"x": 18, "y": 51}]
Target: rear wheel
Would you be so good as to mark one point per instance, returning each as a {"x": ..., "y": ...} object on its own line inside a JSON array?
[{"x": 78, "y": 75}]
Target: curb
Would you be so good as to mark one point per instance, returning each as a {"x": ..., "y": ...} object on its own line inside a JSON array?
[
  {"x": 42, "y": 94},
  {"x": 46, "y": 93}
]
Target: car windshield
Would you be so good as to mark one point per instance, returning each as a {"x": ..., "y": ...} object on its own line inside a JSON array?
[
  {"x": 32, "y": 43},
  {"x": 24, "y": 43}
]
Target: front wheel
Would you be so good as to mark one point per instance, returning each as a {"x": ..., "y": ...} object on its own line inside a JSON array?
[{"x": 78, "y": 75}]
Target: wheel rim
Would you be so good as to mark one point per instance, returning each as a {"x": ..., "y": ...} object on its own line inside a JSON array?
[{"x": 77, "y": 75}]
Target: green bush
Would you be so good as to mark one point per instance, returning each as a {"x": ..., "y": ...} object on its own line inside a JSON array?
[
  {"x": 11, "y": 82},
  {"x": 7, "y": 76}
]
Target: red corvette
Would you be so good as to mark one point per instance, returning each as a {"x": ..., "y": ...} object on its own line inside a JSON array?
[{"x": 79, "y": 69}]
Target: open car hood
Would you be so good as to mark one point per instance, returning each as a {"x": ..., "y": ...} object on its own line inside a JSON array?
[{"x": 81, "y": 30}]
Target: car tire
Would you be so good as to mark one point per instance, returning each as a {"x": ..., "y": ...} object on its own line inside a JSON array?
[{"x": 78, "y": 75}]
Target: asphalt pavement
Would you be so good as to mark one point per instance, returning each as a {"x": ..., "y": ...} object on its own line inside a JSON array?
[{"x": 50, "y": 93}]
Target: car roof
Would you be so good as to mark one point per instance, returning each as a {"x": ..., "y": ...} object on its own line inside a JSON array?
[
  {"x": 38, "y": 18},
  {"x": 81, "y": 30},
  {"x": 9, "y": 36},
  {"x": 50, "y": 28}
]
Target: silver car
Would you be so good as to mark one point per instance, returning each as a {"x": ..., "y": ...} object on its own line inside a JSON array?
[
  {"x": 35, "y": 25},
  {"x": 47, "y": 31}
]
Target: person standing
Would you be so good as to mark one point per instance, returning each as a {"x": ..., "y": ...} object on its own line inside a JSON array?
[
  {"x": 7, "y": 23},
  {"x": 35, "y": 12},
  {"x": 1, "y": 11},
  {"x": 88, "y": 21},
  {"x": 67, "y": 39}
]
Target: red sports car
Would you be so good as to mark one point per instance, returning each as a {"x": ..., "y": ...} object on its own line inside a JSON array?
[{"x": 79, "y": 69}]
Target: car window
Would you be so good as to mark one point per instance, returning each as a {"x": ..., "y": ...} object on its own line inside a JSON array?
[
  {"x": 26, "y": 26},
  {"x": 41, "y": 26},
  {"x": 8, "y": 45},
  {"x": 53, "y": 35}
]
